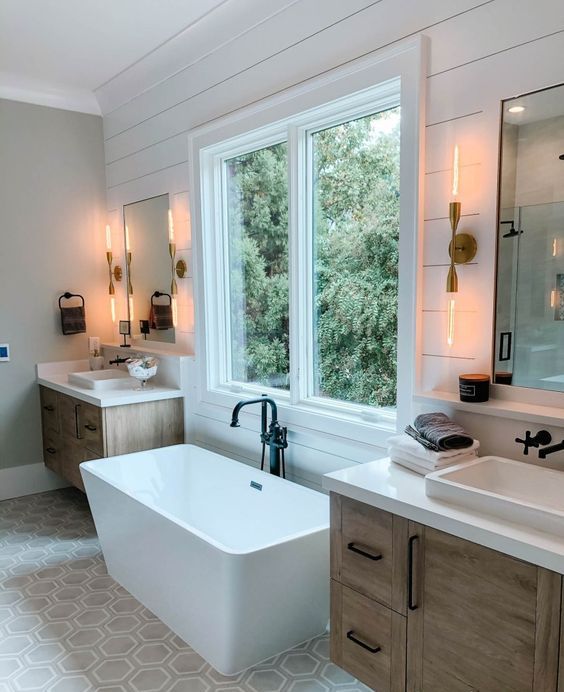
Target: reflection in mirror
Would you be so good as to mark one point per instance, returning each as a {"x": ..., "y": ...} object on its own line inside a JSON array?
[
  {"x": 529, "y": 339},
  {"x": 146, "y": 236}
]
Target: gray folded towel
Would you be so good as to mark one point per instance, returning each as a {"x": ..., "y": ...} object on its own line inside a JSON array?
[
  {"x": 73, "y": 320},
  {"x": 161, "y": 317},
  {"x": 443, "y": 432}
]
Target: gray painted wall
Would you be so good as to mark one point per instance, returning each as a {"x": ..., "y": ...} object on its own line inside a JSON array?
[{"x": 52, "y": 211}]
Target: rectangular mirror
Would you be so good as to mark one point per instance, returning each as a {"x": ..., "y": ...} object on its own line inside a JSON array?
[
  {"x": 529, "y": 335},
  {"x": 148, "y": 269}
]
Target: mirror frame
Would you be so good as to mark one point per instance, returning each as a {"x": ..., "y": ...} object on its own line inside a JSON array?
[
  {"x": 526, "y": 392},
  {"x": 136, "y": 334}
]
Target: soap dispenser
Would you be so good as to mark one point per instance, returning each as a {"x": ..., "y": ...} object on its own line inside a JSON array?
[{"x": 95, "y": 359}]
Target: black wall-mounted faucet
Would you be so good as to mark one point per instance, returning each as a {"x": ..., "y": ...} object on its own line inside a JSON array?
[
  {"x": 543, "y": 453},
  {"x": 542, "y": 438},
  {"x": 275, "y": 436},
  {"x": 118, "y": 360}
]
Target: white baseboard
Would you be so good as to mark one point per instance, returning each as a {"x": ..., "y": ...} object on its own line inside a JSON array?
[{"x": 29, "y": 479}]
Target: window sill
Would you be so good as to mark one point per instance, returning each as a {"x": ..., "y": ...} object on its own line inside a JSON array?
[{"x": 358, "y": 426}]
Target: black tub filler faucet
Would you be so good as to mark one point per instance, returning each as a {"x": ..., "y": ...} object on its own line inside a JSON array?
[{"x": 273, "y": 435}]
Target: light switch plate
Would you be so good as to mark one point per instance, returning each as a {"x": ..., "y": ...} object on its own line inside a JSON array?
[{"x": 4, "y": 353}]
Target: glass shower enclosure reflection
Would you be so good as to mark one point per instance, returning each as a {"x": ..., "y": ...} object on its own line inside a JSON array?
[{"x": 529, "y": 348}]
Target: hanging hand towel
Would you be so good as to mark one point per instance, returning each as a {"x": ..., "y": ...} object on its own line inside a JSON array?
[
  {"x": 73, "y": 319},
  {"x": 160, "y": 316}
]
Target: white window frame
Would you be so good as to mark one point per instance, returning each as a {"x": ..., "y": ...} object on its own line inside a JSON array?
[{"x": 343, "y": 94}]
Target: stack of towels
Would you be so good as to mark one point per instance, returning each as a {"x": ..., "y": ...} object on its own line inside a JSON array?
[{"x": 432, "y": 443}]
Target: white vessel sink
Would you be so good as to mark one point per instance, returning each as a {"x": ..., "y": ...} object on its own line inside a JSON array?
[
  {"x": 511, "y": 490},
  {"x": 102, "y": 379}
]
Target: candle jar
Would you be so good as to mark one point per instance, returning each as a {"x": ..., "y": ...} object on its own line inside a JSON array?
[{"x": 474, "y": 388}]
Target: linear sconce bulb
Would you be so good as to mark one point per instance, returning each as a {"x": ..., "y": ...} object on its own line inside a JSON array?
[
  {"x": 174, "y": 306},
  {"x": 450, "y": 319}
]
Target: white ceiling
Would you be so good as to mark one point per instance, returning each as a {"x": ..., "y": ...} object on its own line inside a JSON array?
[{"x": 65, "y": 49}]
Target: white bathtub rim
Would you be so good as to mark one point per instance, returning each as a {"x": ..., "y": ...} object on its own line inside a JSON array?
[{"x": 86, "y": 467}]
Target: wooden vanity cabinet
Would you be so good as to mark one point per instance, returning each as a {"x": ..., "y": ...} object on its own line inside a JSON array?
[
  {"x": 368, "y": 594},
  {"x": 420, "y": 610},
  {"x": 484, "y": 621},
  {"x": 75, "y": 431}
]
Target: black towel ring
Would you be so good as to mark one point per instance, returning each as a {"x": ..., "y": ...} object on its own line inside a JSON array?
[
  {"x": 68, "y": 296},
  {"x": 159, "y": 294}
]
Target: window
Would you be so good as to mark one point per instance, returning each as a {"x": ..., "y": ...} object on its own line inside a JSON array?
[
  {"x": 355, "y": 270},
  {"x": 302, "y": 254},
  {"x": 256, "y": 197}
]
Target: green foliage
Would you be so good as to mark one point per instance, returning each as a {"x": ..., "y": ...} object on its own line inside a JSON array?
[
  {"x": 356, "y": 230},
  {"x": 258, "y": 236},
  {"x": 356, "y": 167}
]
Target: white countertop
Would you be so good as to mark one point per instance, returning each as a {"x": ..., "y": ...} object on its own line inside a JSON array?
[
  {"x": 394, "y": 489},
  {"x": 55, "y": 376}
]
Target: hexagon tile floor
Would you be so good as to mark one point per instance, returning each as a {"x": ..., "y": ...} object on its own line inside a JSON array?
[{"x": 66, "y": 626}]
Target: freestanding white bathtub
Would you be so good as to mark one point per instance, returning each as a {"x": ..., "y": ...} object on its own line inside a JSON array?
[{"x": 234, "y": 560}]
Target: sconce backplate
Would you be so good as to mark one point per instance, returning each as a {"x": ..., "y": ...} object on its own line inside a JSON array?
[
  {"x": 465, "y": 246},
  {"x": 118, "y": 273},
  {"x": 181, "y": 269}
]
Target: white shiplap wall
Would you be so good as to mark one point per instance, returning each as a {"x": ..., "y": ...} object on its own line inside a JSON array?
[{"x": 480, "y": 53}]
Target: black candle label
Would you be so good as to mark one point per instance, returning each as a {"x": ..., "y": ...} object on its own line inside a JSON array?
[{"x": 468, "y": 390}]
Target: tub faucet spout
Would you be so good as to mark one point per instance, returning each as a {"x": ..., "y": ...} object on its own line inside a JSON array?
[{"x": 273, "y": 435}]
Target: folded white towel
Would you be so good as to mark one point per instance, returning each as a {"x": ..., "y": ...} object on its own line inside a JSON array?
[
  {"x": 411, "y": 466},
  {"x": 406, "y": 445},
  {"x": 424, "y": 467}
]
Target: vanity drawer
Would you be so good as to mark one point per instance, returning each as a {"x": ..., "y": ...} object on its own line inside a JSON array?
[
  {"x": 89, "y": 426},
  {"x": 368, "y": 639},
  {"x": 67, "y": 413},
  {"x": 49, "y": 410},
  {"x": 52, "y": 451},
  {"x": 83, "y": 422},
  {"x": 73, "y": 454},
  {"x": 366, "y": 550}
]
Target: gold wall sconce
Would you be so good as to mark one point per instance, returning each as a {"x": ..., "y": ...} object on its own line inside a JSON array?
[
  {"x": 181, "y": 269},
  {"x": 462, "y": 249},
  {"x": 178, "y": 268},
  {"x": 115, "y": 272}
]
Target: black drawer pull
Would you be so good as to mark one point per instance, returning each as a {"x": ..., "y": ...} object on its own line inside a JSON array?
[
  {"x": 90, "y": 427},
  {"x": 49, "y": 407},
  {"x": 360, "y": 551},
  {"x": 364, "y": 645},
  {"x": 51, "y": 450},
  {"x": 410, "y": 601}
]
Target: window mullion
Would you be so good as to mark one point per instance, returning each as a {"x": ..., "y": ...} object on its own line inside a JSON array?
[
  {"x": 308, "y": 265},
  {"x": 294, "y": 215},
  {"x": 222, "y": 250}
]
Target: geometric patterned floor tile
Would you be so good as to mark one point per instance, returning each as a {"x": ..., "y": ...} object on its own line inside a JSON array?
[{"x": 67, "y": 626}]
